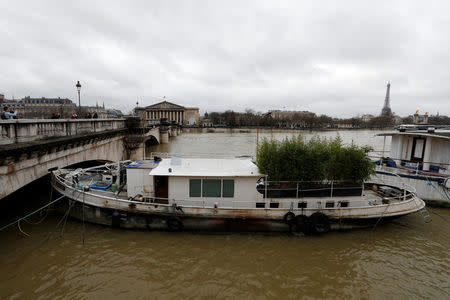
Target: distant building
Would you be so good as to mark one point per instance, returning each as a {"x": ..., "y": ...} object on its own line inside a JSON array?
[
  {"x": 100, "y": 110},
  {"x": 192, "y": 116},
  {"x": 420, "y": 119},
  {"x": 367, "y": 117},
  {"x": 386, "y": 110},
  {"x": 206, "y": 123},
  {"x": 174, "y": 113},
  {"x": 44, "y": 108},
  {"x": 345, "y": 125}
]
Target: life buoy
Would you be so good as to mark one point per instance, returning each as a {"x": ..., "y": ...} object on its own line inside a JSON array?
[
  {"x": 301, "y": 223},
  {"x": 319, "y": 223},
  {"x": 289, "y": 217},
  {"x": 174, "y": 224}
]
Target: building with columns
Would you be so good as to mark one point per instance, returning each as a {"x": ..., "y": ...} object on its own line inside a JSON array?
[{"x": 172, "y": 112}]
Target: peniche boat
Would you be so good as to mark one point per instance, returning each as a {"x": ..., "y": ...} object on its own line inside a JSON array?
[
  {"x": 419, "y": 156},
  {"x": 222, "y": 194}
]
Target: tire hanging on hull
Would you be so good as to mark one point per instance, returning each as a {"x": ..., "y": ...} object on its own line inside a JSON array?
[
  {"x": 319, "y": 223},
  {"x": 174, "y": 224},
  {"x": 289, "y": 217},
  {"x": 301, "y": 223}
]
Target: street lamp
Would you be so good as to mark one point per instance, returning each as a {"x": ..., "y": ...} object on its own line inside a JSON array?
[{"x": 78, "y": 85}]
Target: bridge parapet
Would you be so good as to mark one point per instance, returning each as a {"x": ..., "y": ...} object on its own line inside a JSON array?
[{"x": 20, "y": 131}]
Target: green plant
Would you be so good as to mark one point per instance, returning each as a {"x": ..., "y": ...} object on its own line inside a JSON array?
[{"x": 317, "y": 159}]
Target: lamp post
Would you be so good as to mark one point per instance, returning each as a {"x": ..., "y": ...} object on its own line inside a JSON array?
[{"x": 78, "y": 85}]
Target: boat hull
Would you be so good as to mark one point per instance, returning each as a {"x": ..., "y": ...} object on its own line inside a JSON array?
[
  {"x": 431, "y": 189},
  {"x": 174, "y": 220}
]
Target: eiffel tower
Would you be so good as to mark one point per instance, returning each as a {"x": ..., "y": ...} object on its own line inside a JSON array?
[{"x": 386, "y": 111}]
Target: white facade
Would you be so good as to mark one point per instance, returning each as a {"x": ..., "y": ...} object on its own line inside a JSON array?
[{"x": 245, "y": 193}]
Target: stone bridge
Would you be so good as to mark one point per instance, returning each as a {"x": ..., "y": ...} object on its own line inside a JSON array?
[{"x": 30, "y": 148}]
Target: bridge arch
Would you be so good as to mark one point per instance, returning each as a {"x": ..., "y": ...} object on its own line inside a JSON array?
[
  {"x": 36, "y": 161},
  {"x": 151, "y": 140}
]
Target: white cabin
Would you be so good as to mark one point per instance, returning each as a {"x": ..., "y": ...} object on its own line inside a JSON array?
[
  {"x": 426, "y": 149},
  {"x": 206, "y": 182}
]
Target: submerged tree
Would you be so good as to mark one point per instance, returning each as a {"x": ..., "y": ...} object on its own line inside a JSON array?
[{"x": 318, "y": 159}]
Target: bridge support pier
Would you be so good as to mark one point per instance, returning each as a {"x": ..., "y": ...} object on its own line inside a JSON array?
[{"x": 164, "y": 137}]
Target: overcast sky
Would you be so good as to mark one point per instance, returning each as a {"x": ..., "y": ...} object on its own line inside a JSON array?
[{"x": 329, "y": 57}]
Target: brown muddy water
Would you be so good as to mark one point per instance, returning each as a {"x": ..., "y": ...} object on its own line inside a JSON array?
[{"x": 406, "y": 258}]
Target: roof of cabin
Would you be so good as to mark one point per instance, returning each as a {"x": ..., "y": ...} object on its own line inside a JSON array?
[
  {"x": 441, "y": 134},
  {"x": 206, "y": 167}
]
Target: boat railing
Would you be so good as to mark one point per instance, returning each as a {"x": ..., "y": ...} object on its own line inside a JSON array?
[
  {"x": 326, "y": 188},
  {"x": 436, "y": 168},
  {"x": 300, "y": 189},
  {"x": 407, "y": 188}
]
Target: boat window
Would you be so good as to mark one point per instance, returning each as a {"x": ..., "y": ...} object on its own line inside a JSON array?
[
  {"x": 329, "y": 204},
  {"x": 274, "y": 204},
  {"x": 344, "y": 204},
  {"x": 211, "y": 188},
  {"x": 260, "y": 204},
  {"x": 302, "y": 205},
  {"x": 228, "y": 188},
  {"x": 195, "y": 187}
]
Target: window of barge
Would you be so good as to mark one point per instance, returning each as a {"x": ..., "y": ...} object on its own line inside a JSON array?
[{"x": 212, "y": 188}]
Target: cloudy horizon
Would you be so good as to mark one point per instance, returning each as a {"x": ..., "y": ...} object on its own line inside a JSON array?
[{"x": 328, "y": 57}]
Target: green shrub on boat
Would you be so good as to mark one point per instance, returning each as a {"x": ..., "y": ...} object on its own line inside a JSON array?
[{"x": 318, "y": 159}]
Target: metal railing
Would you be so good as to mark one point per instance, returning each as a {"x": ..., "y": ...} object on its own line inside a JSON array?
[
  {"x": 442, "y": 165},
  {"x": 300, "y": 189}
]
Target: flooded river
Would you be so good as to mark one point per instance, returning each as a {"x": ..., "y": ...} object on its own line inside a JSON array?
[{"x": 403, "y": 259}]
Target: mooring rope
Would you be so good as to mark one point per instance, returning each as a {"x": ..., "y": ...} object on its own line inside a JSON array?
[
  {"x": 437, "y": 190},
  {"x": 440, "y": 216},
  {"x": 37, "y": 210},
  {"x": 23, "y": 232},
  {"x": 379, "y": 219}
]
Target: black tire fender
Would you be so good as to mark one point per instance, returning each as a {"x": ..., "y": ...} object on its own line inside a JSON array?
[
  {"x": 289, "y": 217},
  {"x": 319, "y": 223},
  {"x": 174, "y": 224},
  {"x": 302, "y": 224}
]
